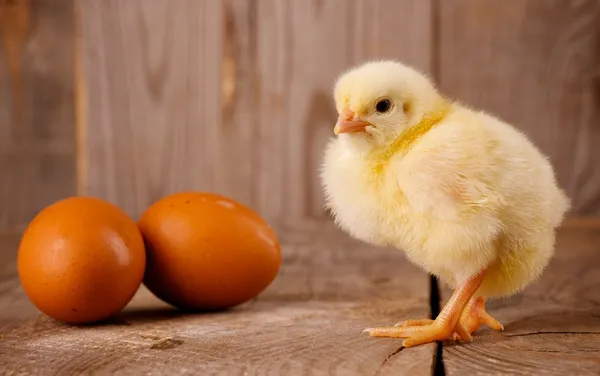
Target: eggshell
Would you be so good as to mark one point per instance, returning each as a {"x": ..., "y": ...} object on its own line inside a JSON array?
[
  {"x": 81, "y": 260},
  {"x": 207, "y": 252}
]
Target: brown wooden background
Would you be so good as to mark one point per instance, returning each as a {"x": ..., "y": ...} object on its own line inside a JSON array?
[{"x": 134, "y": 99}]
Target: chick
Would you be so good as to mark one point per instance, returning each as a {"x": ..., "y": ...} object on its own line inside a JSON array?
[{"x": 465, "y": 195}]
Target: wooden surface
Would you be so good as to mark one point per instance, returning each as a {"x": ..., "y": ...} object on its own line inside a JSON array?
[
  {"x": 235, "y": 96},
  {"x": 552, "y": 328},
  {"x": 309, "y": 321},
  {"x": 231, "y": 96},
  {"x": 535, "y": 64},
  {"x": 37, "y": 143}
]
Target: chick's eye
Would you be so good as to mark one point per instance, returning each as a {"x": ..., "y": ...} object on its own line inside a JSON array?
[{"x": 383, "y": 105}]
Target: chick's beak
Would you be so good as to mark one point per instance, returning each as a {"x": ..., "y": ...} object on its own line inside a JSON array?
[{"x": 347, "y": 123}]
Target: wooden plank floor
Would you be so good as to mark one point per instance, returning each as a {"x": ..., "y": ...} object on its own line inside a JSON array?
[{"x": 309, "y": 321}]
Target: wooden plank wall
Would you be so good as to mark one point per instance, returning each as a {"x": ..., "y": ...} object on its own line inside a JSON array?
[
  {"x": 232, "y": 97},
  {"x": 37, "y": 127},
  {"x": 235, "y": 96}
]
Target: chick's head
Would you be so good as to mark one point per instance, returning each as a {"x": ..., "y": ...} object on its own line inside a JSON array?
[{"x": 379, "y": 100}]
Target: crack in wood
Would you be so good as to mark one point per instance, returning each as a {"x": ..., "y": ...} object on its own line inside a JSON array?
[{"x": 395, "y": 352}]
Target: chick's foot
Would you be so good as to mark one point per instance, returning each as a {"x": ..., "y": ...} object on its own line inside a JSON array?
[
  {"x": 476, "y": 315},
  {"x": 446, "y": 324},
  {"x": 417, "y": 334}
]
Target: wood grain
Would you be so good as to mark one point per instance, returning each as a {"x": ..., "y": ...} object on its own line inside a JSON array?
[
  {"x": 551, "y": 328},
  {"x": 534, "y": 64},
  {"x": 36, "y": 107},
  {"x": 302, "y": 47},
  {"x": 153, "y": 91},
  {"x": 309, "y": 321},
  {"x": 231, "y": 97}
]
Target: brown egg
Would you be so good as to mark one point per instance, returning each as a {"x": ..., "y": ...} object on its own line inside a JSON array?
[
  {"x": 81, "y": 260},
  {"x": 207, "y": 252}
]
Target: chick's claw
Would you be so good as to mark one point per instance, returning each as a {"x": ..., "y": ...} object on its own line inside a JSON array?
[{"x": 415, "y": 335}]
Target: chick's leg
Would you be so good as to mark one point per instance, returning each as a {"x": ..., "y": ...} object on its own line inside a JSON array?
[
  {"x": 475, "y": 315},
  {"x": 444, "y": 325}
]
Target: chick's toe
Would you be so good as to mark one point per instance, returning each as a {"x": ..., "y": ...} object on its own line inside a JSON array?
[
  {"x": 415, "y": 335},
  {"x": 417, "y": 322},
  {"x": 475, "y": 315}
]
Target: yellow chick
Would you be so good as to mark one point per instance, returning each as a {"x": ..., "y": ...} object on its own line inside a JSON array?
[{"x": 465, "y": 195}]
